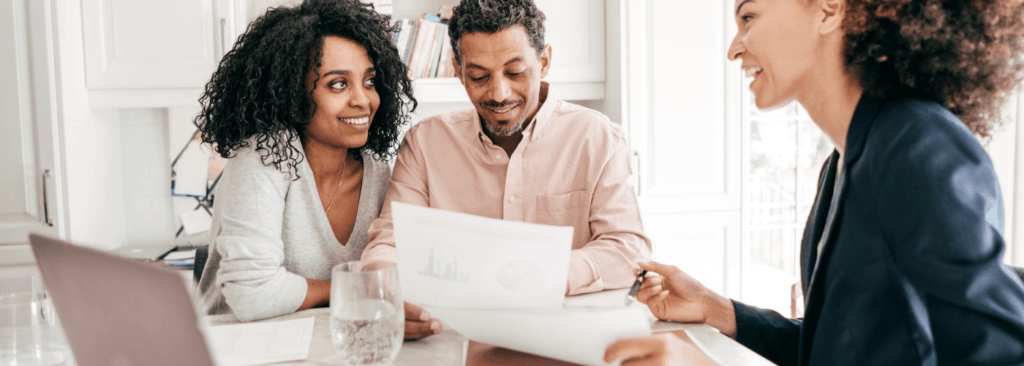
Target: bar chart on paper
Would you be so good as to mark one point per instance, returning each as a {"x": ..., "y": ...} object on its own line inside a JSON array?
[{"x": 450, "y": 272}]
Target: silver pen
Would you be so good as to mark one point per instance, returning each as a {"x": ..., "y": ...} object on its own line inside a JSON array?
[{"x": 636, "y": 287}]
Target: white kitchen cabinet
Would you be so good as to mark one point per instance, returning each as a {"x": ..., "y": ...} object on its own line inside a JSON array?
[
  {"x": 575, "y": 31},
  {"x": 154, "y": 53},
  {"x": 151, "y": 53},
  {"x": 28, "y": 150}
]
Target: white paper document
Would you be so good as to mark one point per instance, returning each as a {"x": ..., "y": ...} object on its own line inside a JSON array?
[
  {"x": 574, "y": 336},
  {"x": 454, "y": 260},
  {"x": 261, "y": 343},
  {"x": 196, "y": 221}
]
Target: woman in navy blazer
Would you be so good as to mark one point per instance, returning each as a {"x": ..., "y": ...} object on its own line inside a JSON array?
[{"x": 901, "y": 258}]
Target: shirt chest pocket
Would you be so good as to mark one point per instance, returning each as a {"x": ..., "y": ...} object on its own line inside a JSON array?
[{"x": 570, "y": 209}]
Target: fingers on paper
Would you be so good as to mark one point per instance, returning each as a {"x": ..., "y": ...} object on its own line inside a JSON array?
[
  {"x": 641, "y": 351},
  {"x": 414, "y": 312},
  {"x": 418, "y": 323}
]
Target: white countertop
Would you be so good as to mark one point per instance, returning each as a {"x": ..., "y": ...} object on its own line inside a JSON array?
[{"x": 450, "y": 348}]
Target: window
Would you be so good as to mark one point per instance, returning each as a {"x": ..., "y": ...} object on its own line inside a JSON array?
[{"x": 785, "y": 153}]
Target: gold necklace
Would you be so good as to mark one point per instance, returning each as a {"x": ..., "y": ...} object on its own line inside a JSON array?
[{"x": 341, "y": 174}]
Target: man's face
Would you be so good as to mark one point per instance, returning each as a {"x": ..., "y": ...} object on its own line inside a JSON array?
[{"x": 501, "y": 73}]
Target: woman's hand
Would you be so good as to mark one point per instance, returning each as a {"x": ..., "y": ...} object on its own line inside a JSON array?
[
  {"x": 673, "y": 295},
  {"x": 659, "y": 349},
  {"x": 418, "y": 323}
]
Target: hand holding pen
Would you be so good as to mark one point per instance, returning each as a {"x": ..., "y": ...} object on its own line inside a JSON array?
[
  {"x": 673, "y": 295},
  {"x": 636, "y": 287}
]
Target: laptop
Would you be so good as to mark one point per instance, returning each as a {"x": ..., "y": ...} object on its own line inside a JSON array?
[{"x": 118, "y": 311}]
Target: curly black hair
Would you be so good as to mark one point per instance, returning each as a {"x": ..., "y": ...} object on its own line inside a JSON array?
[
  {"x": 964, "y": 54},
  {"x": 492, "y": 16},
  {"x": 259, "y": 89}
]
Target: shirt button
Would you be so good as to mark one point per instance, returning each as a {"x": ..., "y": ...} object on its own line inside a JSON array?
[
  {"x": 512, "y": 198},
  {"x": 497, "y": 156}
]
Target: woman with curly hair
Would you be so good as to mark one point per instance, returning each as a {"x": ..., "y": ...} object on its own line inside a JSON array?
[
  {"x": 902, "y": 254},
  {"x": 307, "y": 106}
]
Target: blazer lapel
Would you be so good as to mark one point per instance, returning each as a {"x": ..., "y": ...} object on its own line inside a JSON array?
[
  {"x": 827, "y": 217},
  {"x": 827, "y": 211},
  {"x": 816, "y": 221},
  {"x": 833, "y": 213}
]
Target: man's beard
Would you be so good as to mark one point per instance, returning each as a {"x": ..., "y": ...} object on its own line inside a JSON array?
[{"x": 506, "y": 130}]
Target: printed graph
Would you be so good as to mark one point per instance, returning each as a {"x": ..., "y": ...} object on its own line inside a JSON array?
[{"x": 448, "y": 271}]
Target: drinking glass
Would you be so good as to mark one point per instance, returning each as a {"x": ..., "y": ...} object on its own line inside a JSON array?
[
  {"x": 30, "y": 333},
  {"x": 367, "y": 317}
]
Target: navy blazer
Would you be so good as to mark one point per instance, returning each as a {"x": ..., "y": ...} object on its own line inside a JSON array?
[{"x": 911, "y": 269}]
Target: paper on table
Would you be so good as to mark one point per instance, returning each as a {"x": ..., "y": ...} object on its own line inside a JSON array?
[
  {"x": 579, "y": 337},
  {"x": 261, "y": 343},
  {"x": 455, "y": 260},
  {"x": 196, "y": 222}
]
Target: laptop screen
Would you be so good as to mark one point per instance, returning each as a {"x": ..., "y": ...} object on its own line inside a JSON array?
[{"x": 116, "y": 311}]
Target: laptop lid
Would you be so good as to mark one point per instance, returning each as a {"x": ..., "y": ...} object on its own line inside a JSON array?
[{"x": 117, "y": 311}]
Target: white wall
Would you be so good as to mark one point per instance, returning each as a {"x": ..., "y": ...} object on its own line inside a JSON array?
[{"x": 147, "y": 175}]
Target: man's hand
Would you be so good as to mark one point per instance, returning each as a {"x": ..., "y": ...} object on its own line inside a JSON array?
[
  {"x": 659, "y": 349},
  {"x": 673, "y": 295},
  {"x": 418, "y": 323}
]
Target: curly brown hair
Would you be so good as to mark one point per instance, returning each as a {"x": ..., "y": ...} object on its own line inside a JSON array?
[
  {"x": 259, "y": 89},
  {"x": 964, "y": 54}
]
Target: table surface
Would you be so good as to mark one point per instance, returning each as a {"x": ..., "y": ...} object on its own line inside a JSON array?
[{"x": 450, "y": 348}]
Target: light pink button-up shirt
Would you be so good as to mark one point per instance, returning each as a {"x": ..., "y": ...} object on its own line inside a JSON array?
[{"x": 570, "y": 169}]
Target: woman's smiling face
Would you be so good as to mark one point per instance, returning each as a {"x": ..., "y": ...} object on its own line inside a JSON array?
[
  {"x": 345, "y": 96},
  {"x": 777, "y": 42}
]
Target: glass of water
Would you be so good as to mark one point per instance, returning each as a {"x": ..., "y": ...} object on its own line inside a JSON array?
[{"x": 367, "y": 317}]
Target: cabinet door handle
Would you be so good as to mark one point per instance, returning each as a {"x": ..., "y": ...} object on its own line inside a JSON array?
[{"x": 46, "y": 204}]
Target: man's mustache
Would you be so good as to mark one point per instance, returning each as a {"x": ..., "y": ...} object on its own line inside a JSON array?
[{"x": 501, "y": 105}]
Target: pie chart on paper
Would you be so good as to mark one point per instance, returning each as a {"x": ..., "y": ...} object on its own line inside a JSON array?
[{"x": 521, "y": 275}]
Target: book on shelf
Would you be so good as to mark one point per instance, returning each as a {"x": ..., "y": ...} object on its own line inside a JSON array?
[
  {"x": 424, "y": 46},
  {"x": 406, "y": 30},
  {"x": 435, "y": 50},
  {"x": 416, "y": 48}
]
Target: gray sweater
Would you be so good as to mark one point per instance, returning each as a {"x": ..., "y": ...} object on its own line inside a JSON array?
[{"x": 270, "y": 233}]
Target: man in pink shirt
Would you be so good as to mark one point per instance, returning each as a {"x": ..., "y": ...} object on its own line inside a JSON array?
[{"x": 519, "y": 154}]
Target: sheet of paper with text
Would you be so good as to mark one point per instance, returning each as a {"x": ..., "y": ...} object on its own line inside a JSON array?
[{"x": 454, "y": 260}]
